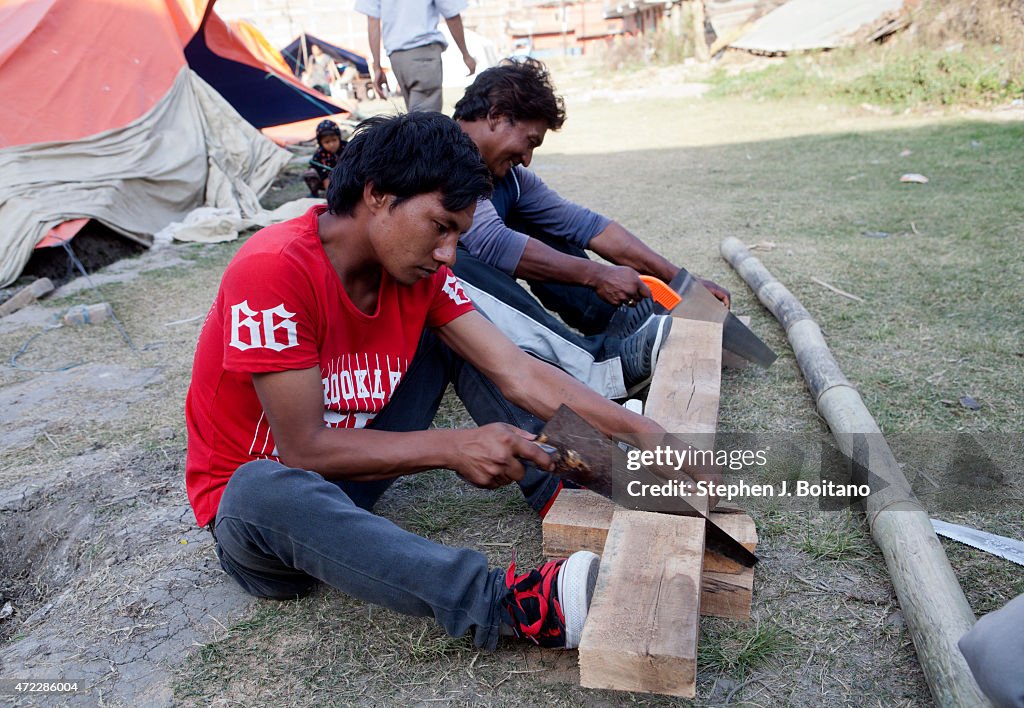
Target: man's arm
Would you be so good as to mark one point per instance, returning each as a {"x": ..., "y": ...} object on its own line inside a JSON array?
[
  {"x": 293, "y": 403},
  {"x": 380, "y": 79},
  {"x": 455, "y": 27},
  {"x": 538, "y": 386},
  {"x": 615, "y": 284},
  {"x": 618, "y": 245},
  {"x": 541, "y": 388}
]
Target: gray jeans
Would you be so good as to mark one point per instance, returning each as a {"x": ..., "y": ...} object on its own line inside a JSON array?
[
  {"x": 419, "y": 74},
  {"x": 280, "y": 530}
]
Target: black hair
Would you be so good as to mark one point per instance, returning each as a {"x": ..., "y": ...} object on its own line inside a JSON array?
[
  {"x": 407, "y": 155},
  {"x": 519, "y": 90}
]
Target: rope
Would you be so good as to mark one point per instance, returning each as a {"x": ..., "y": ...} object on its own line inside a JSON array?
[{"x": 75, "y": 264}]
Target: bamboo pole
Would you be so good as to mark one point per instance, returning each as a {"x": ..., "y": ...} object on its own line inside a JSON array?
[{"x": 932, "y": 601}]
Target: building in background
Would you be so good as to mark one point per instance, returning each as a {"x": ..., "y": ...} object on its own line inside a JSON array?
[{"x": 543, "y": 27}]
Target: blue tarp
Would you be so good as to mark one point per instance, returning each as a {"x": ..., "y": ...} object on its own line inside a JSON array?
[
  {"x": 293, "y": 54},
  {"x": 262, "y": 98}
]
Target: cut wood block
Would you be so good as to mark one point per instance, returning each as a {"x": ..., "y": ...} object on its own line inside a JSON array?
[
  {"x": 727, "y": 595},
  {"x": 739, "y": 526},
  {"x": 641, "y": 632},
  {"x": 26, "y": 296},
  {"x": 579, "y": 521},
  {"x": 735, "y": 361}
]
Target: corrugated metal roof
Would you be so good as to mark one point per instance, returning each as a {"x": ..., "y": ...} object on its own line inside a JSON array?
[
  {"x": 816, "y": 24},
  {"x": 727, "y": 16}
]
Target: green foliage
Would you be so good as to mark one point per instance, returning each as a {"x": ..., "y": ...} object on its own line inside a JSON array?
[
  {"x": 895, "y": 78},
  {"x": 739, "y": 648}
]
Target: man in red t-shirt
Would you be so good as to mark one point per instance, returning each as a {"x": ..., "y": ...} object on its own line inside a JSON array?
[{"x": 319, "y": 370}]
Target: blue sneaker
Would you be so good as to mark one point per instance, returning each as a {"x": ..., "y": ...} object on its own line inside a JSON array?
[
  {"x": 628, "y": 320},
  {"x": 640, "y": 351}
]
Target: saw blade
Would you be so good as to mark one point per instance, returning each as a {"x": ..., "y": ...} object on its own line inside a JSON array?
[{"x": 1008, "y": 548}]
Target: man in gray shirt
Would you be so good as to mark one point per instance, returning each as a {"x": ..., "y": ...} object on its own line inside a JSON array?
[
  {"x": 526, "y": 230},
  {"x": 414, "y": 45}
]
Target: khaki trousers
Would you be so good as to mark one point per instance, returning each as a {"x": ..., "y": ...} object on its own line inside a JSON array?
[{"x": 418, "y": 71}]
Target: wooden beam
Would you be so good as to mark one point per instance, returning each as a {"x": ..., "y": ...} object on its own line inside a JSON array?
[
  {"x": 579, "y": 521},
  {"x": 26, "y": 296},
  {"x": 641, "y": 633},
  {"x": 686, "y": 386},
  {"x": 930, "y": 596},
  {"x": 687, "y": 383}
]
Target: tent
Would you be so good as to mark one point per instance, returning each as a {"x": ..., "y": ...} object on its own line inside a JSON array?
[
  {"x": 295, "y": 56},
  {"x": 104, "y": 119},
  {"x": 259, "y": 87}
]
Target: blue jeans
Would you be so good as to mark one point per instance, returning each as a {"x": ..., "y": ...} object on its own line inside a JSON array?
[{"x": 279, "y": 530}]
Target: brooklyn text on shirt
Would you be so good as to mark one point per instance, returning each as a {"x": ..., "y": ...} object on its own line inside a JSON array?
[{"x": 361, "y": 381}]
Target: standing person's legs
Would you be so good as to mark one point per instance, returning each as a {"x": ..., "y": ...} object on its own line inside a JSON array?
[
  {"x": 592, "y": 360},
  {"x": 419, "y": 74}
]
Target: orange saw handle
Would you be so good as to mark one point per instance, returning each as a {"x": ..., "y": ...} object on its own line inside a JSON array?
[{"x": 662, "y": 293}]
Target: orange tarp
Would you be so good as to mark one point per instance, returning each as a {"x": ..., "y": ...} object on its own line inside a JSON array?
[{"x": 45, "y": 73}]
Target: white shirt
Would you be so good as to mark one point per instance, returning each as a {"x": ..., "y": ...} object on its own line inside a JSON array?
[{"x": 407, "y": 24}]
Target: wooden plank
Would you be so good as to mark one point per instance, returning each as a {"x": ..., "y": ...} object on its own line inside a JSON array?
[
  {"x": 26, "y": 296},
  {"x": 641, "y": 633},
  {"x": 686, "y": 385},
  {"x": 579, "y": 521},
  {"x": 685, "y": 390},
  {"x": 735, "y": 361}
]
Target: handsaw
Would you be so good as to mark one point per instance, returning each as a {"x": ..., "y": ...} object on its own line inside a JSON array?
[
  {"x": 697, "y": 303},
  {"x": 585, "y": 456},
  {"x": 1008, "y": 548}
]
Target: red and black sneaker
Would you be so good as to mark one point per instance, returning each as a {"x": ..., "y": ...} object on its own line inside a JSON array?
[{"x": 549, "y": 605}]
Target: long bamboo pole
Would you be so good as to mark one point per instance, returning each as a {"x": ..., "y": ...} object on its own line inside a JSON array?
[{"x": 932, "y": 601}]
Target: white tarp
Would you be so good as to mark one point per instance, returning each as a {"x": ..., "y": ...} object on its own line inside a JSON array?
[
  {"x": 213, "y": 225},
  {"x": 454, "y": 69},
  {"x": 192, "y": 149},
  {"x": 801, "y": 25}
]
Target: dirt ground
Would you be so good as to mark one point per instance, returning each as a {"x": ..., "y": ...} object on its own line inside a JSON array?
[{"x": 105, "y": 579}]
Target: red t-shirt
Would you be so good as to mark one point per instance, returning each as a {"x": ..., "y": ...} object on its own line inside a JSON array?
[{"x": 281, "y": 306}]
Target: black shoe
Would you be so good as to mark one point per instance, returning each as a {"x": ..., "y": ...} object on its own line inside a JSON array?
[
  {"x": 640, "y": 352},
  {"x": 628, "y": 320}
]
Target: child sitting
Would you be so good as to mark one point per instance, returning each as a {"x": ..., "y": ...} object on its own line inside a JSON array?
[{"x": 329, "y": 148}]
